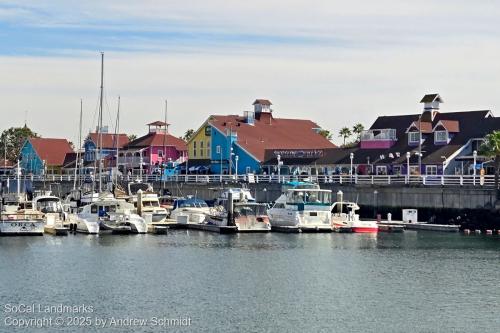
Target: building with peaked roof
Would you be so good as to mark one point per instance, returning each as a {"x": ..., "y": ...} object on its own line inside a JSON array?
[
  {"x": 44, "y": 155},
  {"x": 230, "y": 143},
  {"x": 429, "y": 143},
  {"x": 156, "y": 148},
  {"x": 6, "y": 167},
  {"x": 109, "y": 144}
]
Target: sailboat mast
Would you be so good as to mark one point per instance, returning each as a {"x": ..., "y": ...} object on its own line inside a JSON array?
[
  {"x": 79, "y": 144},
  {"x": 117, "y": 137},
  {"x": 99, "y": 145},
  {"x": 164, "y": 148}
]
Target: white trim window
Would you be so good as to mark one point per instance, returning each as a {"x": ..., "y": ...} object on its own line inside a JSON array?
[
  {"x": 160, "y": 153},
  {"x": 414, "y": 170},
  {"x": 217, "y": 149},
  {"x": 441, "y": 136},
  {"x": 381, "y": 170},
  {"x": 431, "y": 170},
  {"x": 413, "y": 137},
  {"x": 248, "y": 169}
]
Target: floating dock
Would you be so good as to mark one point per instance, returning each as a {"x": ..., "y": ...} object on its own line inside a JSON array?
[
  {"x": 56, "y": 231},
  {"x": 423, "y": 226},
  {"x": 297, "y": 229},
  {"x": 391, "y": 228}
]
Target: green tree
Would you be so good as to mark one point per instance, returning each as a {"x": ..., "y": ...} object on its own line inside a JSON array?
[
  {"x": 189, "y": 133},
  {"x": 12, "y": 140},
  {"x": 345, "y": 132},
  {"x": 131, "y": 137},
  {"x": 491, "y": 148},
  {"x": 326, "y": 134},
  {"x": 357, "y": 129}
]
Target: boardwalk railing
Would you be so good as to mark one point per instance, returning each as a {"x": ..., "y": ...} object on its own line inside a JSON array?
[{"x": 447, "y": 180}]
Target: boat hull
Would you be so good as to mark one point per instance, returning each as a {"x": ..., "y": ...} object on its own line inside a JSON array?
[
  {"x": 364, "y": 229},
  {"x": 87, "y": 227},
  {"x": 21, "y": 228}
]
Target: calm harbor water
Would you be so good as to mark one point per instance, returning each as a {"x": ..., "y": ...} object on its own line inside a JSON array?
[{"x": 410, "y": 282}]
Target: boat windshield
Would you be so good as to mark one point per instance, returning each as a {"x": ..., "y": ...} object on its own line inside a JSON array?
[
  {"x": 249, "y": 210},
  {"x": 309, "y": 197},
  {"x": 191, "y": 203},
  {"x": 135, "y": 187},
  {"x": 150, "y": 204},
  {"x": 49, "y": 205}
]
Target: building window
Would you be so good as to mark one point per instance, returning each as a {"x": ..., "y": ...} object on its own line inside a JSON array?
[
  {"x": 247, "y": 169},
  {"x": 413, "y": 137},
  {"x": 441, "y": 136},
  {"x": 414, "y": 170},
  {"x": 218, "y": 150},
  {"x": 381, "y": 170},
  {"x": 431, "y": 170},
  {"x": 202, "y": 148},
  {"x": 160, "y": 153}
]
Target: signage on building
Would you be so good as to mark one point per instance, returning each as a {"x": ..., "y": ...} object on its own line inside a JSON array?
[
  {"x": 298, "y": 153},
  {"x": 207, "y": 131}
]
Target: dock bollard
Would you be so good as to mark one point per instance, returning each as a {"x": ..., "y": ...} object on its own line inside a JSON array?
[
  {"x": 389, "y": 217},
  {"x": 467, "y": 231}
]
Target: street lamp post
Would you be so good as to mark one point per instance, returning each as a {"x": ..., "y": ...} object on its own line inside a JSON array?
[
  {"x": 220, "y": 155},
  {"x": 236, "y": 158},
  {"x": 350, "y": 170},
  {"x": 474, "y": 155},
  {"x": 408, "y": 154},
  {"x": 279, "y": 168},
  {"x": 141, "y": 160},
  {"x": 231, "y": 161}
]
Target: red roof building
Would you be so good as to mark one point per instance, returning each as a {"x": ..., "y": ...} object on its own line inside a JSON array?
[
  {"x": 242, "y": 143},
  {"x": 156, "y": 147},
  {"x": 39, "y": 155}
]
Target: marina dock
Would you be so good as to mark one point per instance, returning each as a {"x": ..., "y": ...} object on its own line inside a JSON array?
[{"x": 420, "y": 226}]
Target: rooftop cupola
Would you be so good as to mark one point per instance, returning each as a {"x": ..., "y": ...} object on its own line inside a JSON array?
[
  {"x": 262, "y": 109},
  {"x": 431, "y": 106},
  {"x": 159, "y": 127}
]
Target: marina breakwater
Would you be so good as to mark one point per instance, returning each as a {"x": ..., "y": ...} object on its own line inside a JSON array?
[{"x": 471, "y": 207}]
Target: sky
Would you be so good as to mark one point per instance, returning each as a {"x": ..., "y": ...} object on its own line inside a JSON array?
[{"x": 334, "y": 62}]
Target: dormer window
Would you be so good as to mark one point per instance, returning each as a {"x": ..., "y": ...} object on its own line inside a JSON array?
[
  {"x": 441, "y": 136},
  {"x": 413, "y": 137}
]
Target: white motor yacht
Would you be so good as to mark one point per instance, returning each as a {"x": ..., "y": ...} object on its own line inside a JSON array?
[{"x": 302, "y": 205}]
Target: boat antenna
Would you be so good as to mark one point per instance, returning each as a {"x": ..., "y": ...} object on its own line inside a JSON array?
[{"x": 99, "y": 144}]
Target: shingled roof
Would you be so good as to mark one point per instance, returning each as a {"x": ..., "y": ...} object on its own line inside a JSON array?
[
  {"x": 52, "y": 151},
  {"x": 431, "y": 98},
  {"x": 157, "y": 139},
  {"x": 262, "y": 101},
  {"x": 473, "y": 124},
  {"x": 271, "y": 133}
]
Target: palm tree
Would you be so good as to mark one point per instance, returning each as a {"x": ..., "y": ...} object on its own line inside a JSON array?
[
  {"x": 326, "y": 134},
  {"x": 491, "y": 148},
  {"x": 189, "y": 133},
  {"x": 357, "y": 129},
  {"x": 345, "y": 132}
]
